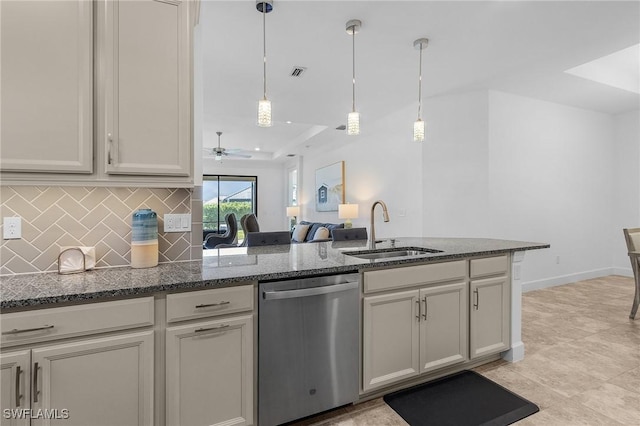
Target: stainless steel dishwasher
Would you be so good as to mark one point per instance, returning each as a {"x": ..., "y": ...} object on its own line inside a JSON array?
[{"x": 307, "y": 346}]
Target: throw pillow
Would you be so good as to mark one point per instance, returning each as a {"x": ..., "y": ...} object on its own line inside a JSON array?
[
  {"x": 299, "y": 232},
  {"x": 321, "y": 234}
]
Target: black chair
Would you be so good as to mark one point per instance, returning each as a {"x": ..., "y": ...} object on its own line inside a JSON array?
[
  {"x": 255, "y": 239},
  {"x": 349, "y": 234},
  {"x": 228, "y": 237}
]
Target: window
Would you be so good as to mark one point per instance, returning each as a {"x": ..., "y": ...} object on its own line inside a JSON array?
[{"x": 227, "y": 194}]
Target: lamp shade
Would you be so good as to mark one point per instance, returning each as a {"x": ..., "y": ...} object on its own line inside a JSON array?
[
  {"x": 347, "y": 211},
  {"x": 293, "y": 211}
]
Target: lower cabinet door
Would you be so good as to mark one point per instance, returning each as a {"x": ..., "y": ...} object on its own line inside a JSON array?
[
  {"x": 390, "y": 338},
  {"x": 490, "y": 316},
  {"x": 14, "y": 388},
  {"x": 209, "y": 377},
  {"x": 106, "y": 381},
  {"x": 443, "y": 326}
]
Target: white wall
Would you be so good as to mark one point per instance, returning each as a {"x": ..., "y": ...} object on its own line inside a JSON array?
[
  {"x": 551, "y": 179},
  {"x": 454, "y": 162},
  {"x": 271, "y": 203},
  {"x": 626, "y": 185},
  {"x": 382, "y": 163}
]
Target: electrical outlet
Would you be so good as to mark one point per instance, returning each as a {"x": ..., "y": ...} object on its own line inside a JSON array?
[
  {"x": 12, "y": 228},
  {"x": 177, "y": 222},
  {"x": 557, "y": 260}
]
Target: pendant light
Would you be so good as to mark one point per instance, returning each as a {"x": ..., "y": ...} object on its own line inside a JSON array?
[
  {"x": 353, "y": 119},
  {"x": 264, "y": 105},
  {"x": 418, "y": 126}
]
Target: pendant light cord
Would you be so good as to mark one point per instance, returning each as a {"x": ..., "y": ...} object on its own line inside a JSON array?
[
  {"x": 264, "y": 48},
  {"x": 353, "y": 56},
  {"x": 420, "y": 86}
]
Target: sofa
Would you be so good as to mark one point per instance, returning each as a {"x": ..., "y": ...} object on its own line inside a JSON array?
[{"x": 304, "y": 232}]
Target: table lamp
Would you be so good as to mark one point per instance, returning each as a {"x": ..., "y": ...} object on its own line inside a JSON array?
[{"x": 347, "y": 212}]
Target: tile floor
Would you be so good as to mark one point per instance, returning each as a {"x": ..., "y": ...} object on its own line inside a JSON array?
[{"x": 582, "y": 362}]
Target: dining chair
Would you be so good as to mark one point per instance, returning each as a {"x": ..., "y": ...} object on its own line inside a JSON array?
[
  {"x": 632, "y": 237},
  {"x": 228, "y": 237}
]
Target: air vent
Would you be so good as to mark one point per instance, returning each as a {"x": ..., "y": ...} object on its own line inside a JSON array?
[
  {"x": 291, "y": 155},
  {"x": 297, "y": 71},
  {"x": 341, "y": 127}
]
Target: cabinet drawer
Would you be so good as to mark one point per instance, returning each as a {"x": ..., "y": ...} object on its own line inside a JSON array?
[
  {"x": 413, "y": 275},
  {"x": 208, "y": 303},
  {"x": 489, "y": 266},
  {"x": 55, "y": 323}
]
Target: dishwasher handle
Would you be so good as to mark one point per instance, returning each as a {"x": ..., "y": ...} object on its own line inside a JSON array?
[{"x": 312, "y": 291}]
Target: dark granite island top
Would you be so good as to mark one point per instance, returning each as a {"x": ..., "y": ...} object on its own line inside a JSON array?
[{"x": 234, "y": 266}]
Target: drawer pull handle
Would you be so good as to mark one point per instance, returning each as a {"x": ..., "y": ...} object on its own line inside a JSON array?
[
  {"x": 35, "y": 382},
  {"x": 26, "y": 330},
  {"x": 208, "y": 305},
  {"x": 18, "y": 395},
  {"x": 200, "y": 330}
]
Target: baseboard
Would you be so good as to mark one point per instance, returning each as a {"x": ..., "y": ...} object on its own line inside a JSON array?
[
  {"x": 625, "y": 272},
  {"x": 570, "y": 278}
]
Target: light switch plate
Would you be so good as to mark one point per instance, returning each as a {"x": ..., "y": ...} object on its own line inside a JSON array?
[
  {"x": 177, "y": 222},
  {"x": 12, "y": 228}
]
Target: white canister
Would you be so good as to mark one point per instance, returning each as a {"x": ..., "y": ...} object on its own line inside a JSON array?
[{"x": 144, "y": 239}]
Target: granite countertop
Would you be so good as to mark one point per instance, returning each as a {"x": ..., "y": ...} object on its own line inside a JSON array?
[{"x": 234, "y": 266}]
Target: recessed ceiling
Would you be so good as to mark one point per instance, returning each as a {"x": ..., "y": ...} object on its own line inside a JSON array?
[
  {"x": 620, "y": 69},
  {"x": 518, "y": 47}
]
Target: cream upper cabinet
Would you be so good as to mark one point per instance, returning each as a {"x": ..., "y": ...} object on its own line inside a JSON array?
[
  {"x": 145, "y": 87},
  {"x": 47, "y": 86}
]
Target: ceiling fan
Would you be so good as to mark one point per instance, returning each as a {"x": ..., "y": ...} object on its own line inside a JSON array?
[{"x": 220, "y": 152}]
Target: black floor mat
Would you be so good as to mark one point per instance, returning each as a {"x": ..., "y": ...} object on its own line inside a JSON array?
[{"x": 461, "y": 399}]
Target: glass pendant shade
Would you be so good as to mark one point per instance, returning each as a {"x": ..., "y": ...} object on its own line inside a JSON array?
[
  {"x": 353, "y": 123},
  {"x": 218, "y": 157},
  {"x": 418, "y": 130},
  {"x": 264, "y": 113}
]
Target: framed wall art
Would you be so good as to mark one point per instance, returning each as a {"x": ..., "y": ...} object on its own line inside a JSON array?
[{"x": 329, "y": 187}]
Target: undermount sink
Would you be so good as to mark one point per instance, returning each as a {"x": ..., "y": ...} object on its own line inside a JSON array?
[{"x": 404, "y": 253}]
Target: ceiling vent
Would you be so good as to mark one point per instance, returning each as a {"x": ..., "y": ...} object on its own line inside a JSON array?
[
  {"x": 291, "y": 155},
  {"x": 297, "y": 71},
  {"x": 341, "y": 127}
]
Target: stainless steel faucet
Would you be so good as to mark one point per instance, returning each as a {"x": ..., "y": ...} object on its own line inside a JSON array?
[{"x": 385, "y": 216}]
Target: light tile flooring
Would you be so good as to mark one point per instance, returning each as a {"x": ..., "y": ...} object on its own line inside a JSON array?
[{"x": 582, "y": 362}]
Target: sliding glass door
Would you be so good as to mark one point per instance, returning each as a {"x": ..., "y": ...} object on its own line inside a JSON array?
[{"x": 227, "y": 194}]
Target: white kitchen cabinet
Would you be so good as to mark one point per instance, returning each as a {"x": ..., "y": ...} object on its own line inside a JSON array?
[
  {"x": 414, "y": 331},
  {"x": 443, "y": 326},
  {"x": 106, "y": 381},
  {"x": 490, "y": 316},
  {"x": 69, "y": 364},
  {"x": 47, "y": 86},
  {"x": 15, "y": 387},
  {"x": 209, "y": 363},
  {"x": 132, "y": 72},
  {"x": 390, "y": 338},
  {"x": 144, "y": 119},
  {"x": 209, "y": 372}
]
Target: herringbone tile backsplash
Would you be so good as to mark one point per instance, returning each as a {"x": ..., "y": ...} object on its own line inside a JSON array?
[{"x": 86, "y": 216}]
